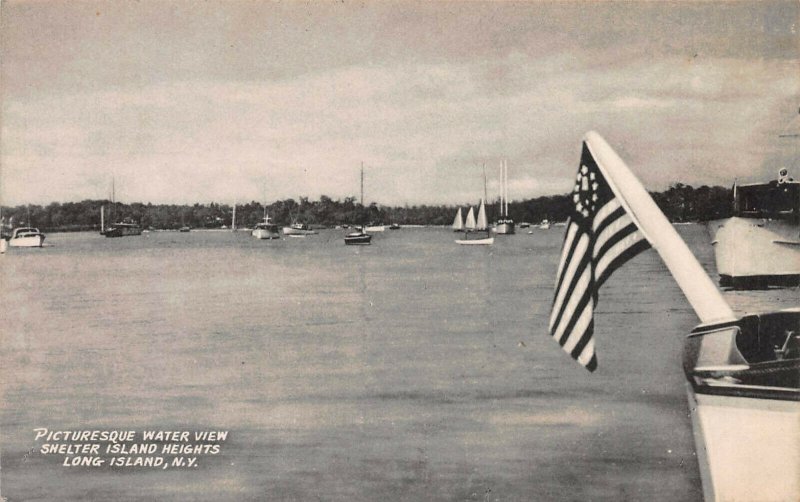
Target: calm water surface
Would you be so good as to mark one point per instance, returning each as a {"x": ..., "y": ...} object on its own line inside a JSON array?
[{"x": 412, "y": 369}]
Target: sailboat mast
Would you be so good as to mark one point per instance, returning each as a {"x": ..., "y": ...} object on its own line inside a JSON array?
[
  {"x": 362, "y": 183},
  {"x": 505, "y": 186},
  {"x": 233, "y": 220},
  {"x": 501, "y": 190}
]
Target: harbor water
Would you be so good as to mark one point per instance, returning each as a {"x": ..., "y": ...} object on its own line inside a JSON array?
[{"x": 411, "y": 369}]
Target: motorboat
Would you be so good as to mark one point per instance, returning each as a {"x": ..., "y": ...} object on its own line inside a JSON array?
[
  {"x": 265, "y": 230},
  {"x": 394, "y": 226},
  {"x": 544, "y": 224},
  {"x": 375, "y": 228},
  {"x": 298, "y": 229},
  {"x": 359, "y": 237},
  {"x": 123, "y": 229},
  {"x": 26, "y": 237},
  {"x": 744, "y": 392},
  {"x": 760, "y": 245}
]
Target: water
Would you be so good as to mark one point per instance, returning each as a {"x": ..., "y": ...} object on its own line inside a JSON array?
[{"x": 412, "y": 369}]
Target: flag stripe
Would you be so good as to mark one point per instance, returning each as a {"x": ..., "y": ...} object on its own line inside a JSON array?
[
  {"x": 612, "y": 239},
  {"x": 602, "y": 262},
  {"x": 620, "y": 260},
  {"x": 601, "y": 225},
  {"x": 569, "y": 296},
  {"x": 568, "y": 249},
  {"x": 580, "y": 328},
  {"x": 573, "y": 270},
  {"x": 576, "y": 303}
]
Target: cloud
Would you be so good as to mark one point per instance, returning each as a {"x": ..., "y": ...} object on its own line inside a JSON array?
[{"x": 423, "y": 126}]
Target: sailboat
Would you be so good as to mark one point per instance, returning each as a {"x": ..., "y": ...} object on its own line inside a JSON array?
[
  {"x": 473, "y": 225},
  {"x": 505, "y": 225},
  {"x": 359, "y": 237},
  {"x": 458, "y": 222},
  {"x": 121, "y": 228},
  {"x": 481, "y": 224}
]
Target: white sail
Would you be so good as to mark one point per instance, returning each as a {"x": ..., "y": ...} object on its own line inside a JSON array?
[
  {"x": 458, "y": 222},
  {"x": 481, "y": 224},
  {"x": 470, "y": 223}
]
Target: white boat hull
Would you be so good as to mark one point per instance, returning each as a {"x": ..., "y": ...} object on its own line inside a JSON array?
[
  {"x": 265, "y": 234},
  {"x": 377, "y": 228},
  {"x": 476, "y": 242},
  {"x": 756, "y": 252},
  {"x": 298, "y": 231},
  {"x": 748, "y": 449},
  {"x": 32, "y": 241},
  {"x": 504, "y": 229}
]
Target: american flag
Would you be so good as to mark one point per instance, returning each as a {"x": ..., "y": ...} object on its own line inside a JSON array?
[{"x": 601, "y": 236}]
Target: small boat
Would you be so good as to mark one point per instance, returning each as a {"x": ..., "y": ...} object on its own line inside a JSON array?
[
  {"x": 458, "y": 222},
  {"x": 123, "y": 229},
  {"x": 265, "y": 230},
  {"x": 545, "y": 224},
  {"x": 524, "y": 224},
  {"x": 472, "y": 225},
  {"x": 26, "y": 237},
  {"x": 505, "y": 225},
  {"x": 298, "y": 229},
  {"x": 375, "y": 228},
  {"x": 760, "y": 245},
  {"x": 394, "y": 226},
  {"x": 359, "y": 237},
  {"x": 185, "y": 229}
]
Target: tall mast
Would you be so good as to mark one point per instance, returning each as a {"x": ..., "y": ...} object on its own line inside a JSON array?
[
  {"x": 362, "y": 183},
  {"x": 505, "y": 187},
  {"x": 485, "y": 197},
  {"x": 233, "y": 220},
  {"x": 501, "y": 189}
]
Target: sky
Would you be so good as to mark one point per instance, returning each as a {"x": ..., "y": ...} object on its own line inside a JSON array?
[{"x": 192, "y": 101}]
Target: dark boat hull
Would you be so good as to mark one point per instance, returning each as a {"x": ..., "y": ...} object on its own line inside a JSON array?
[
  {"x": 360, "y": 239},
  {"x": 123, "y": 231}
]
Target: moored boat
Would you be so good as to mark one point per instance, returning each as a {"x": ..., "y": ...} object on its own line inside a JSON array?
[
  {"x": 298, "y": 229},
  {"x": 26, "y": 237},
  {"x": 265, "y": 230},
  {"x": 504, "y": 225},
  {"x": 394, "y": 226},
  {"x": 123, "y": 229},
  {"x": 477, "y": 225},
  {"x": 760, "y": 245},
  {"x": 359, "y": 237}
]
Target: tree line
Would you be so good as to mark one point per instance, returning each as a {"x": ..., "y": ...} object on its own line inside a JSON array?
[{"x": 680, "y": 203}]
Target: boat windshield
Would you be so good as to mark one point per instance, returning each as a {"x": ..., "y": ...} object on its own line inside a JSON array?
[{"x": 768, "y": 200}]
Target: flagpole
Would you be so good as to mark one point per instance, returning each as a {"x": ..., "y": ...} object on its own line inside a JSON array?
[{"x": 700, "y": 291}]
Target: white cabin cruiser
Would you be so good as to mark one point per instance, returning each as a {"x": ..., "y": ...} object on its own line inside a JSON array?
[
  {"x": 298, "y": 229},
  {"x": 26, "y": 237},
  {"x": 265, "y": 230},
  {"x": 760, "y": 245}
]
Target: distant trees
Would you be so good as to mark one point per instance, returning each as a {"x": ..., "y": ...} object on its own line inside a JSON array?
[{"x": 679, "y": 203}]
